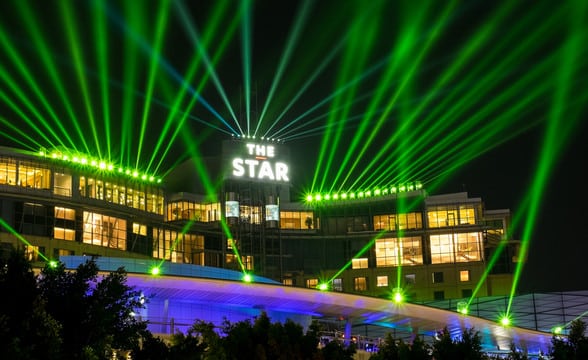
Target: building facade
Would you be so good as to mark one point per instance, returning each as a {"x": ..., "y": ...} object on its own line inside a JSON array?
[{"x": 372, "y": 242}]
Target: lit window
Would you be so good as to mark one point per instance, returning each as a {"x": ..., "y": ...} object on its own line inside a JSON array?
[
  {"x": 464, "y": 275},
  {"x": 288, "y": 282},
  {"x": 361, "y": 263},
  {"x": 104, "y": 230},
  {"x": 139, "y": 229},
  {"x": 311, "y": 283},
  {"x": 360, "y": 284},
  {"x": 65, "y": 213},
  {"x": 382, "y": 281},
  {"x": 31, "y": 253},
  {"x": 389, "y": 250}
]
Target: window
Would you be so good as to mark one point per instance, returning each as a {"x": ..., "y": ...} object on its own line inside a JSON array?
[
  {"x": 439, "y": 295},
  {"x": 139, "y": 229},
  {"x": 62, "y": 252},
  {"x": 31, "y": 219},
  {"x": 464, "y": 275},
  {"x": 442, "y": 216},
  {"x": 410, "y": 279},
  {"x": 7, "y": 171},
  {"x": 442, "y": 249},
  {"x": 337, "y": 284},
  {"x": 103, "y": 230},
  {"x": 64, "y": 228},
  {"x": 32, "y": 176},
  {"x": 382, "y": 281},
  {"x": 360, "y": 284},
  {"x": 62, "y": 184},
  {"x": 395, "y": 222},
  {"x": 288, "y": 282},
  {"x": 468, "y": 247},
  {"x": 296, "y": 220},
  {"x": 361, "y": 263},
  {"x": 467, "y": 215},
  {"x": 408, "y": 249},
  {"x": 437, "y": 277},
  {"x": 31, "y": 252},
  {"x": 466, "y": 293},
  {"x": 311, "y": 283}
]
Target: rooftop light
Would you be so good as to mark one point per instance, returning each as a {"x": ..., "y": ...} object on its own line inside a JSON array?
[
  {"x": 101, "y": 164},
  {"x": 364, "y": 193}
]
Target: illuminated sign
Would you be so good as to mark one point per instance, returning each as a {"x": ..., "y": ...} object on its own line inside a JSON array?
[{"x": 258, "y": 162}]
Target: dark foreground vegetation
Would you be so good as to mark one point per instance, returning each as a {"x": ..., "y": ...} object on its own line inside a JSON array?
[{"x": 60, "y": 314}]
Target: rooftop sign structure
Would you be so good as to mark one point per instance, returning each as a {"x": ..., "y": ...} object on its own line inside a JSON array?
[{"x": 256, "y": 161}]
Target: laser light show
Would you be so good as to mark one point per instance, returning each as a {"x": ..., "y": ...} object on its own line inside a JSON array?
[{"x": 384, "y": 153}]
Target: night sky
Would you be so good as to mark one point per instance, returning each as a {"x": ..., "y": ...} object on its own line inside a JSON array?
[{"x": 310, "y": 67}]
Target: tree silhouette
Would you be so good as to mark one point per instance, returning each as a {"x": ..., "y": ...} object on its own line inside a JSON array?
[
  {"x": 575, "y": 346},
  {"x": 95, "y": 312},
  {"x": 27, "y": 331}
]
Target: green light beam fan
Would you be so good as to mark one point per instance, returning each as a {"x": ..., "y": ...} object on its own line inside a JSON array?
[
  {"x": 23, "y": 116},
  {"x": 214, "y": 24},
  {"x": 134, "y": 15},
  {"x": 201, "y": 45},
  {"x": 325, "y": 62},
  {"x": 363, "y": 34},
  {"x": 246, "y": 58},
  {"x": 432, "y": 125},
  {"x": 300, "y": 19},
  {"x": 557, "y": 130},
  {"x": 219, "y": 52},
  {"x": 401, "y": 56},
  {"x": 160, "y": 27},
  {"x": 29, "y": 102},
  {"x": 464, "y": 97},
  {"x": 47, "y": 58},
  {"x": 101, "y": 41},
  {"x": 72, "y": 32}
]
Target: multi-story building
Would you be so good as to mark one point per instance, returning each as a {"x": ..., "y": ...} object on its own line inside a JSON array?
[{"x": 370, "y": 241}]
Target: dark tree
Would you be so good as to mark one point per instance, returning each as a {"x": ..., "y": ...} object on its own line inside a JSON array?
[
  {"x": 575, "y": 346},
  {"x": 468, "y": 346},
  {"x": 96, "y": 312},
  {"x": 27, "y": 331},
  {"x": 150, "y": 348},
  {"x": 392, "y": 349},
  {"x": 516, "y": 354}
]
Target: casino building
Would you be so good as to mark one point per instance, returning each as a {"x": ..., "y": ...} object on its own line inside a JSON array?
[{"x": 239, "y": 214}]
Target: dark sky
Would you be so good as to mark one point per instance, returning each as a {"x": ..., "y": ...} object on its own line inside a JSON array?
[{"x": 451, "y": 63}]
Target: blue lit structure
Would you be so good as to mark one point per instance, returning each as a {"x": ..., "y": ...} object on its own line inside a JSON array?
[{"x": 185, "y": 293}]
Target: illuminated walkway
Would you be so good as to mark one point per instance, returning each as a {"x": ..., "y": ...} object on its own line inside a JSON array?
[{"x": 184, "y": 293}]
